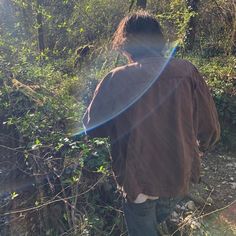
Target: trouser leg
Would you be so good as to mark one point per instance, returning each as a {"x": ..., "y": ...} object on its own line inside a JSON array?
[{"x": 141, "y": 218}]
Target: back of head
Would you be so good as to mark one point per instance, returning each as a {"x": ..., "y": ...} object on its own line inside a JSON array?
[{"x": 139, "y": 35}]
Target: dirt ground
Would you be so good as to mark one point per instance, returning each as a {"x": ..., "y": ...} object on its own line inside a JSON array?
[
  {"x": 218, "y": 179},
  {"x": 210, "y": 208}
]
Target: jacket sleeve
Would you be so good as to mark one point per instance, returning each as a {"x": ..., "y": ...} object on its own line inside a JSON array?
[
  {"x": 206, "y": 124},
  {"x": 97, "y": 119}
]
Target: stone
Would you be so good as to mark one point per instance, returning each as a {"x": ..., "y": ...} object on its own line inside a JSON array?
[
  {"x": 209, "y": 201},
  {"x": 195, "y": 224},
  {"x": 229, "y": 165},
  {"x": 190, "y": 205},
  {"x": 233, "y": 185},
  {"x": 174, "y": 214}
]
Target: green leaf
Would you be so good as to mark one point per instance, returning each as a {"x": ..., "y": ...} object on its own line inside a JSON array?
[
  {"x": 81, "y": 30},
  {"x": 14, "y": 195}
]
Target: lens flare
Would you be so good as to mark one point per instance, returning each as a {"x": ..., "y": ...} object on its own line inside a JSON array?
[{"x": 135, "y": 89}]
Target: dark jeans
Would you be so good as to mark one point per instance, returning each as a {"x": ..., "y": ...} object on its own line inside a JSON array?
[{"x": 142, "y": 219}]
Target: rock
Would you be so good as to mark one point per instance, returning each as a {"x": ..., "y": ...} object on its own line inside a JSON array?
[
  {"x": 233, "y": 185},
  {"x": 209, "y": 201},
  {"x": 195, "y": 224},
  {"x": 178, "y": 206},
  {"x": 174, "y": 214},
  {"x": 229, "y": 165},
  {"x": 178, "y": 209},
  {"x": 190, "y": 205},
  {"x": 175, "y": 220}
]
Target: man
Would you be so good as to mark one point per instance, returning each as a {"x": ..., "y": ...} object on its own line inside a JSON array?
[{"x": 159, "y": 115}]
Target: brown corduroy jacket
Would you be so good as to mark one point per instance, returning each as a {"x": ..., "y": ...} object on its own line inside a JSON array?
[{"x": 159, "y": 115}]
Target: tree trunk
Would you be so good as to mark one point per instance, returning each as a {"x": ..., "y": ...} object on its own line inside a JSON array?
[
  {"x": 191, "y": 32},
  {"x": 233, "y": 37},
  {"x": 141, "y": 4},
  {"x": 41, "y": 44}
]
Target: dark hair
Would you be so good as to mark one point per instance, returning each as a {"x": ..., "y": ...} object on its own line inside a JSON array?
[{"x": 139, "y": 34}]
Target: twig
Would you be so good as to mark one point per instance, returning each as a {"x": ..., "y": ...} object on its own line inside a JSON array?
[
  {"x": 131, "y": 5},
  {"x": 217, "y": 210},
  {"x": 206, "y": 201},
  {"x": 204, "y": 215},
  {"x": 50, "y": 202},
  {"x": 220, "y": 10}
]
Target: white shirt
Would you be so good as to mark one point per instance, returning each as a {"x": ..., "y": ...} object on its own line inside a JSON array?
[{"x": 143, "y": 198}]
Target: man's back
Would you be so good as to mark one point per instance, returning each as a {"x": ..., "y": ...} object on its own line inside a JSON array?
[{"x": 155, "y": 116}]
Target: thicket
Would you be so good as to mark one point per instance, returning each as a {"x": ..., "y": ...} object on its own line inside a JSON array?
[{"x": 52, "y": 55}]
